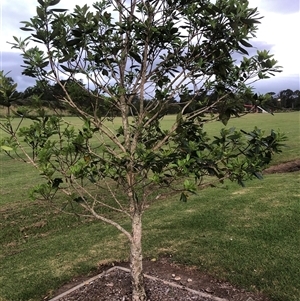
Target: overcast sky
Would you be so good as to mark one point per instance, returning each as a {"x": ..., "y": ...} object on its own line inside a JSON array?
[{"x": 278, "y": 32}]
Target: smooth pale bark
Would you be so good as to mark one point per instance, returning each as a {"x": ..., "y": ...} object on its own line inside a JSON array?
[{"x": 136, "y": 260}]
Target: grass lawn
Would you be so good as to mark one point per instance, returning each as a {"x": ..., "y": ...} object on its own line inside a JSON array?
[{"x": 249, "y": 236}]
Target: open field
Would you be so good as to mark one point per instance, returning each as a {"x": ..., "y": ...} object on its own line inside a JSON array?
[{"x": 249, "y": 236}]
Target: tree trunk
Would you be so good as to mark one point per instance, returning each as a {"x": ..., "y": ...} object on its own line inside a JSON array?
[{"x": 136, "y": 263}]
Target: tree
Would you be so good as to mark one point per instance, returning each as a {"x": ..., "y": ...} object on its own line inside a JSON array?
[
  {"x": 137, "y": 59},
  {"x": 288, "y": 98},
  {"x": 296, "y": 101},
  {"x": 8, "y": 92},
  {"x": 51, "y": 93}
]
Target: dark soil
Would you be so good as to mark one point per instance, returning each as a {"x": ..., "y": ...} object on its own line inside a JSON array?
[
  {"x": 290, "y": 166},
  {"x": 165, "y": 281}
]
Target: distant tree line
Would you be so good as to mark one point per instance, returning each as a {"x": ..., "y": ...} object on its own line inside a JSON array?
[{"x": 88, "y": 99}]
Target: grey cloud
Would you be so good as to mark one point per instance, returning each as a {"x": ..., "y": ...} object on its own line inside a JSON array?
[
  {"x": 280, "y": 6},
  {"x": 278, "y": 83},
  {"x": 12, "y": 15},
  {"x": 11, "y": 62},
  {"x": 261, "y": 45}
]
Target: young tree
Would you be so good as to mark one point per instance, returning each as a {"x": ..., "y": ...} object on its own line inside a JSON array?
[{"x": 159, "y": 53}]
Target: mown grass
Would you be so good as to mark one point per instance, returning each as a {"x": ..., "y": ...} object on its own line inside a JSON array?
[{"x": 248, "y": 236}]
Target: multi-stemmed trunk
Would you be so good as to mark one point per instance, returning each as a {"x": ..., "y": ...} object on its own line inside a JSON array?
[{"x": 136, "y": 264}]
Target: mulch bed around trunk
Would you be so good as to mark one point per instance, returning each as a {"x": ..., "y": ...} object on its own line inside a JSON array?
[
  {"x": 290, "y": 166},
  {"x": 165, "y": 282}
]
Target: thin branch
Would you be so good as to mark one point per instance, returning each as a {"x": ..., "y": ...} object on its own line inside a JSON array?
[{"x": 108, "y": 221}]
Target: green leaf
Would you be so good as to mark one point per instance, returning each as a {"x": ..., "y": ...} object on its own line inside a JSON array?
[
  {"x": 77, "y": 33},
  {"x": 258, "y": 175},
  {"x": 26, "y": 29},
  {"x": 43, "y": 65},
  {"x": 58, "y": 10},
  {"x": 183, "y": 197},
  {"x": 242, "y": 50},
  {"x": 174, "y": 30},
  {"x": 67, "y": 69},
  {"x": 6, "y": 148},
  {"x": 244, "y": 43},
  {"x": 224, "y": 117},
  {"x": 53, "y": 2},
  {"x": 260, "y": 75},
  {"x": 40, "y": 35},
  {"x": 73, "y": 42},
  {"x": 40, "y": 13},
  {"x": 135, "y": 56}
]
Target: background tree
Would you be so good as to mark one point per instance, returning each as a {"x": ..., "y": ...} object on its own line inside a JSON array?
[
  {"x": 288, "y": 99},
  {"x": 137, "y": 58},
  {"x": 296, "y": 102},
  {"x": 8, "y": 92},
  {"x": 50, "y": 94}
]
